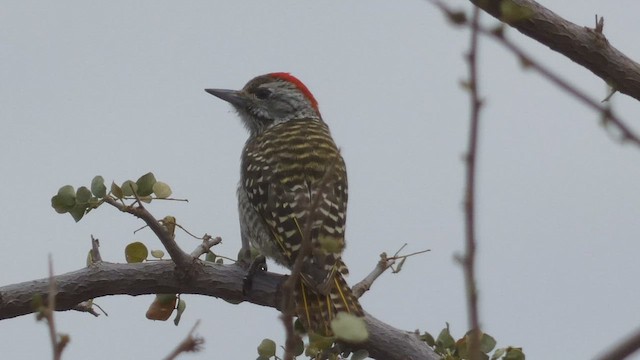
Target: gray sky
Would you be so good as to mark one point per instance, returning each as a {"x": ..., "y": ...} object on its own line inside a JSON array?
[{"x": 116, "y": 88}]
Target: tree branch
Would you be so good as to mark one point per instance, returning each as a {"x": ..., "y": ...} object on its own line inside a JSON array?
[
  {"x": 624, "y": 349},
  {"x": 586, "y": 46},
  {"x": 607, "y": 116},
  {"x": 183, "y": 260},
  {"x": 222, "y": 281}
]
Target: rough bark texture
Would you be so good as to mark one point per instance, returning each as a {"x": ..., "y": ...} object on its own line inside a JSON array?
[
  {"x": 221, "y": 281},
  {"x": 583, "y": 45}
]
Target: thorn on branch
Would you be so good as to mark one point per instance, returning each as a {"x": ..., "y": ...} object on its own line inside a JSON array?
[
  {"x": 95, "y": 251},
  {"x": 599, "y": 24}
]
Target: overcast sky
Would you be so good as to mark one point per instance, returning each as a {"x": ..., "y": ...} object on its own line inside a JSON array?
[{"x": 116, "y": 88}]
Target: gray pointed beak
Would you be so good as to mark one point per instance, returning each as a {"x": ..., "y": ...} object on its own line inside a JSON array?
[{"x": 233, "y": 97}]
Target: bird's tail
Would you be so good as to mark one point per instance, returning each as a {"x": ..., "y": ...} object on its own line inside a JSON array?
[{"x": 316, "y": 310}]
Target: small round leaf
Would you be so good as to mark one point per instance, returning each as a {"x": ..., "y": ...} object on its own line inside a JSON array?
[
  {"x": 83, "y": 195},
  {"x": 116, "y": 191},
  {"x": 129, "y": 188},
  {"x": 349, "y": 328},
  {"x": 267, "y": 348},
  {"x": 136, "y": 252},
  {"x": 78, "y": 211},
  {"x": 145, "y": 184},
  {"x": 161, "y": 190},
  {"x": 98, "y": 188}
]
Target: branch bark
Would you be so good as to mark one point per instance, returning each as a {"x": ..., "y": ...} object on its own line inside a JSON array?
[
  {"x": 221, "y": 281},
  {"x": 586, "y": 46}
]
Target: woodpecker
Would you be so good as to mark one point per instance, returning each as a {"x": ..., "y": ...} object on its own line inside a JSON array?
[{"x": 293, "y": 186}]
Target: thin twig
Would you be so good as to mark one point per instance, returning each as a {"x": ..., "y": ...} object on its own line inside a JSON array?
[
  {"x": 183, "y": 260},
  {"x": 624, "y": 349},
  {"x": 57, "y": 345},
  {"x": 189, "y": 344},
  {"x": 468, "y": 262},
  {"x": 382, "y": 265},
  {"x": 606, "y": 114}
]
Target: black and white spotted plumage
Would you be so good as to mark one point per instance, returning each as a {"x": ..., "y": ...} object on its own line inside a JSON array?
[{"x": 292, "y": 175}]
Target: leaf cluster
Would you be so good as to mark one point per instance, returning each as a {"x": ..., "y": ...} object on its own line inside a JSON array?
[
  {"x": 451, "y": 349},
  {"x": 80, "y": 202}
]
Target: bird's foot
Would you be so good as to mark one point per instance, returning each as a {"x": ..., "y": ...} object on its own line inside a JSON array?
[{"x": 258, "y": 264}]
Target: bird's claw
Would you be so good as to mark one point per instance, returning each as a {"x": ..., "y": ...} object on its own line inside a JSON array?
[{"x": 258, "y": 264}]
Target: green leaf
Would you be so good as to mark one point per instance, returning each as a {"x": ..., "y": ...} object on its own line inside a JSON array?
[
  {"x": 514, "y": 354},
  {"x": 98, "y": 188},
  {"x": 83, "y": 195},
  {"x": 78, "y": 211},
  {"x": 65, "y": 200},
  {"x": 158, "y": 254},
  {"x": 462, "y": 347},
  {"x": 145, "y": 184},
  {"x": 299, "y": 348},
  {"x": 129, "y": 188},
  {"x": 161, "y": 190},
  {"x": 67, "y": 191},
  {"x": 487, "y": 343},
  {"x": 498, "y": 354},
  {"x": 349, "y": 328},
  {"x": 94, "y": 202},
  {"x": 445, "y": 340},
  {"x": 267, "y": 348},
  {"x": 59, "y": 205},
  {"x": 298, "y": 327},
  {"x": 426, "y": 337},
  {"x": 136, "y": 252},
  {"x": 182, "y": 305},
  {"x": 116, "y": 191},
  {"x": 318, "y": 343}
]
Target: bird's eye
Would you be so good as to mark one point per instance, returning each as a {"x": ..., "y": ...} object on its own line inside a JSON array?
[{"x": 262, "y": 94}]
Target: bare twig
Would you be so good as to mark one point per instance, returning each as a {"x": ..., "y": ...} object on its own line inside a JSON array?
[
  {"x": 183, "y": 260},
  {"x": 624, "y": 349},
  {"x": 468, "y": 261},
  {"x": 382, "y": 265},
  {"x": 207, "y": 243},
  {"x": 189, "y": 344},
  {"x": 58, "y": 342}
]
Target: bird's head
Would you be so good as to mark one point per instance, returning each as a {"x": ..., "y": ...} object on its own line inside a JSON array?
[{"x": 271, "y": 99}]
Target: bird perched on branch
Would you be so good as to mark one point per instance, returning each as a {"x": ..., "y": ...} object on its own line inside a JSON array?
[{"x": 292, "y": 195}]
